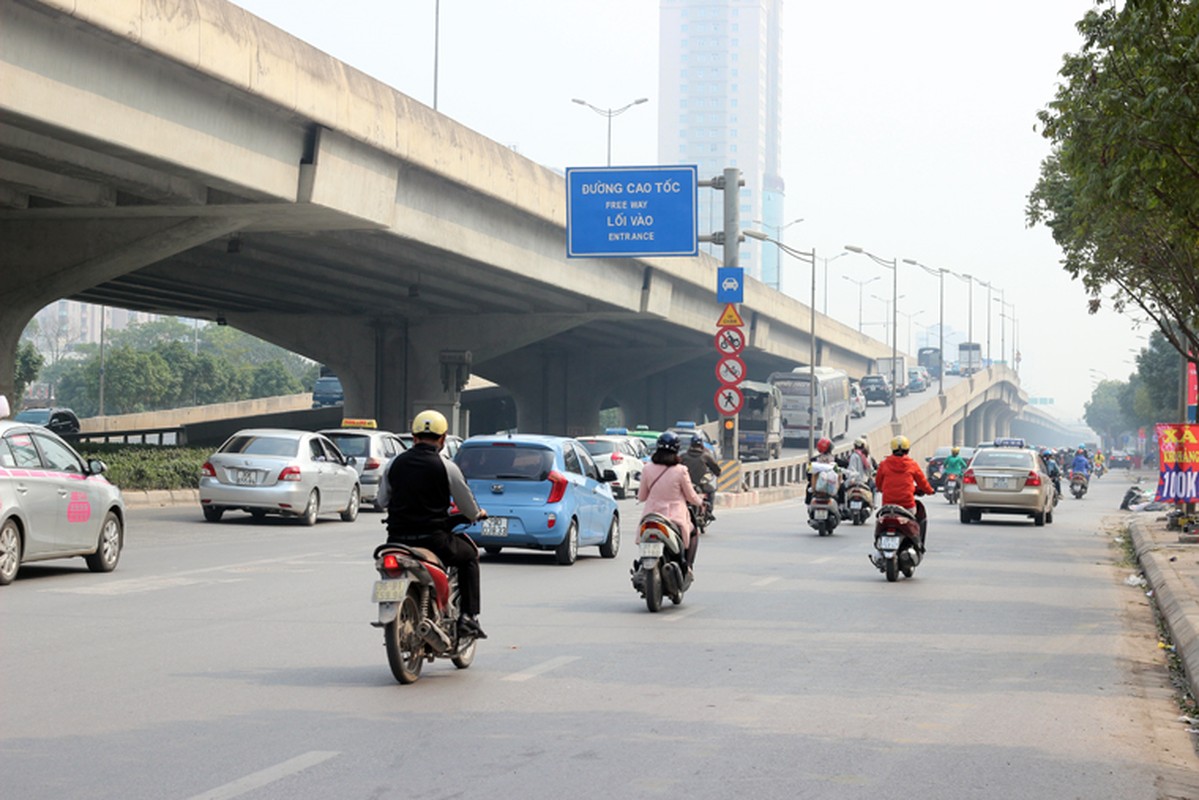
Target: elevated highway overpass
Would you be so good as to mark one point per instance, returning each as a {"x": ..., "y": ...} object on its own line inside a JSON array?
[{"x": 188, "y": 158}]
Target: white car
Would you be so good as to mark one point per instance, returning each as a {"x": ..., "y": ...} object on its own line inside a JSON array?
[
  {"x": 857, "y": 400},
  {"x": 52, "y": 504},
  {"x": 618, "y": 454},
  {"x": 372, "y": 450}
]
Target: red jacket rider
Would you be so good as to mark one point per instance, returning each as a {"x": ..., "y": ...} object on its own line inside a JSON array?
[{"x": 899, "y": 477}]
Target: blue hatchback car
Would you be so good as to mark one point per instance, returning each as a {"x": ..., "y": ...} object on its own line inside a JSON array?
[{"x": 541, "y": 493}]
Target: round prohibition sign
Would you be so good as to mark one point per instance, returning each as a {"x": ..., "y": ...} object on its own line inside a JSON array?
[
  {"x": 730, "y": 340},
  {"x": 730, "y": 370},
  {"x": 729, "y": 401}
]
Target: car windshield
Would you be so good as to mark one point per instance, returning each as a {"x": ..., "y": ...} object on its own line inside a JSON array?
[
  {"x": 871, "y": 379},
  {"x": 34, "y": 416},
  {"x": 598, "y": 447},
  {"x": 503, "y": 461},
  {"x": 351, "y": 444},
  {"x": 1002, "y": 458},
  {"x": 262, "y": 446}
]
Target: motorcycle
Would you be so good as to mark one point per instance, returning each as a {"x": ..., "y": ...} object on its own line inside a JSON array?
[
  {"x": 418, "y": 609},
  {"x": 952, "y": 488},
  {"x": 896, "y": 540},
  {"x": 658, "y": 570},
  {"x": 706, "y": 489},
  {"x": 1078, "y": 484},
  {"x": 859, "y": 499},
  {"x": 823, "y": 513}
]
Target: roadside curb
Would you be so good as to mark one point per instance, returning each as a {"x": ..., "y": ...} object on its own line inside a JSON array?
[
  {"x": 1178, "y": 606},
  {"x": 160, "y": 498}
]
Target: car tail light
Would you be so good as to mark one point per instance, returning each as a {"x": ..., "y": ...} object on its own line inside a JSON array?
[
  {"x": 969, "y": 477},
  {"x": 372, "y": 463},
  {"x": 290, "y": 473},
  {"x": 550, "y": 520},
  {"x": 617, "y": 458},
  {"x": 1033, "y": 479},
  {"x": 208, "y": 469},
  {"x": 558, "y": 491}
]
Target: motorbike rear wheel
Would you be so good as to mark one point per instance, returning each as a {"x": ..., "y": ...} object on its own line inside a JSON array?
[
  {"x": 405, "y": 649},
  {"x": 892, "y": 570},
  {"x": 465, "y": 656},
  {"x": 653, "y": 589}
]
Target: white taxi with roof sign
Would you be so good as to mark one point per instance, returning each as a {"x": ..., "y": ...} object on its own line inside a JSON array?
[
  {"x": 372, "y": 450},
  {"x": 52, "y": 503}
]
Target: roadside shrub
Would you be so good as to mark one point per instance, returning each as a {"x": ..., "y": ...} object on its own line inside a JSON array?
[{"x": 149, "y": 467}]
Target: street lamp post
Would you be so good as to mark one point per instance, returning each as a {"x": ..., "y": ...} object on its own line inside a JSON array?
[
  {"x": 940, "y": 273},
  {"x": 610, "y": 113},
  {"x": 886, "y": 301},
  {"x": 824, "y": 308},
  {"x": 1003, "y": 317},
  {"x": 988, "y": 285},
  {"x": 808, "y": 257},
  {"x": 909, "y": 318},
  {"x": 893, "y": 265},
  {"x": 860, "y": 285},
  {"x": 778, "y": 234}
]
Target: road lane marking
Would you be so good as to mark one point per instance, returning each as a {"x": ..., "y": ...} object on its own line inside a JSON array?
[
  {"x": 539, "y": 669},
  {"x": 767, "y": 581},
  {"x": 822, "y": 560},
  {"x": 174, "y": 580},
  {"x": 267, "y": 776}
]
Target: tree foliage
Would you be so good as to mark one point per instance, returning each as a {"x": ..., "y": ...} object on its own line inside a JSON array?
[
  {"x": 1120, "y": 191},
  {"x": 29, "y": 364}
]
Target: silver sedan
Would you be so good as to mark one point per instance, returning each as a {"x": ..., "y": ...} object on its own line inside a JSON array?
[{"x": 277, "y": 471}]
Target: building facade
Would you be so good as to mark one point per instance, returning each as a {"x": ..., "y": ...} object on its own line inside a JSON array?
[{"x": 720, "y": 84}]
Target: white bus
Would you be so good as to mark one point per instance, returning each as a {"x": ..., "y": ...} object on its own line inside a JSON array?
[{"x": 832, "y": 402}]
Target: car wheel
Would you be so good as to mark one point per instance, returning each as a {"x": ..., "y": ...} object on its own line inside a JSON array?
[
  {"x": 611, "y": 545},
  {"x": 351, "y": 510},
  {"x": 10, "y": 551},
  {"x": 1038, "y": 519},
  {"x": 310, "y": 510},
  {"x": 257, "y": 514},
  {"x": 964, "y": 515},
  {"x": 1049, "y": 516},
  {"x": 492, "y": 550},
  {"x": 108, "y": 547},
  {"x": 624, "y": 490},
  {"x": 568, "y": 551},
  {"x": 213, "y": 513}
]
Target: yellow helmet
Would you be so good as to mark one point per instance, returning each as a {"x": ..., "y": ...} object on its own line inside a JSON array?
[
  {"x": 430, "y": 421},
  {"x": 955, "y": 450},
  {"x": 900, "y": 444}
]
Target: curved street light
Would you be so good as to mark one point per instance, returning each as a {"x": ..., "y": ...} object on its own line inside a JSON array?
[
  {"x": 940, "y": 272},
  {"x": 808, "y": 257},
  {"x": 861, "y": 285},
  {"x": 610, "y": 113},
  {"x": 778, "y": 234},
  {"x": 893, "y": 265}
]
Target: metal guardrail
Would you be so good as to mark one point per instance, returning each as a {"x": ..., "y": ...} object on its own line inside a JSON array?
[
  {"x": 771, "y": 474},
  {"x": 168, "y": 437}
]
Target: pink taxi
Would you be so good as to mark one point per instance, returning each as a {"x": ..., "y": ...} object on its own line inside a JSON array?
[{"x": 52, "y": 503}]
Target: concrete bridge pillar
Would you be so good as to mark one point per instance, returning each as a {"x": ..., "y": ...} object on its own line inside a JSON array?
[{"x": 972, "y": 428}]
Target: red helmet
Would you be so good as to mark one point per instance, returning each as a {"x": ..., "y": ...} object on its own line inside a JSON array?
[{"x": 824, "y": 446}]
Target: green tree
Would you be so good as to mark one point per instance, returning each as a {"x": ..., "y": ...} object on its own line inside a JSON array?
[
  {"x": 1120, "y": 191},
  {"x": 1103, "y": 413},
  {"x": 150, "y": 335},
  {"x": 271, "y": 379},
  {"x": 29, "y": 364}
]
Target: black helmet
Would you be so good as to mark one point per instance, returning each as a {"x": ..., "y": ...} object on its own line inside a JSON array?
[
  {"x": 669, "y": 442},
  {"x": 696, "y": 440}
]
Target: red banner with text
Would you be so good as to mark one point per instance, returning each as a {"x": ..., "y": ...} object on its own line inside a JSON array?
[{"x": 1178, "y": 463}]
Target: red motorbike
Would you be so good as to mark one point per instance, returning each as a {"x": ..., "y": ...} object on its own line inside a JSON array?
[
  {"x": 418, "y": 609},
  {"x": 898, "y": 540}
]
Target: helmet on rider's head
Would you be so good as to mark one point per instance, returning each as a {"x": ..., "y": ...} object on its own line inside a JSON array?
[
  {"x": 900, "y": 445},
  {"x": 430, "y": 422},
  {"x": 1047, "y": 454},
  {"x": 955, "y": 450},
  {"x": 861, "y": 444},
  {"x": 697, "y": 441},
  {"x": 669, "y": 442},
  {"x": 824, "y": 446}
]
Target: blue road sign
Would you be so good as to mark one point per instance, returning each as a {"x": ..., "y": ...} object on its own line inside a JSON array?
[
  {"x": 618, "y": 212},
  {"x": 730, "y": 284}
]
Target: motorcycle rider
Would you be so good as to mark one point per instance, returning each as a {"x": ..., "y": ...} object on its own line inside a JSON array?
[
  {"x": 824, "y": 455},
  {"x": 666, "y": 490},
  {"x": 860, "y": 460},
  {"x": 1053, "y": 470},
  {"x": 1081, "y": 463},
  {"x": 699, "y": 462},
  {"x": 900, "y": 479},
  {"x": 955, "y": 464},
  {"x": 421, "y": 486}
]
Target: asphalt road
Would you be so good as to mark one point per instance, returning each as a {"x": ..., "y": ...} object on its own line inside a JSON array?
[{"x": 236, "y": 661}]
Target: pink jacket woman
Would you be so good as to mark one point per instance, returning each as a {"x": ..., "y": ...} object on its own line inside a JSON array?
[{"x": 667, "y": 490}]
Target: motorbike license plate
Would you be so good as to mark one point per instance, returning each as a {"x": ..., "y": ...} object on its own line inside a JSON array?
[
  {"x": 1003, "y": 482},
  {"x": 820, "y": 513},
  {"x": 652, "y": 549},
  {"x": 856, "y": 505},
  {"x": 888, "y": 543},
  {"x": 495, "y": 526},
  {"x": 392, "y": 591}
]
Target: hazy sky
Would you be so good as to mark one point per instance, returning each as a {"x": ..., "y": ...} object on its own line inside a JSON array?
[{"x": 909, "y": 130}]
